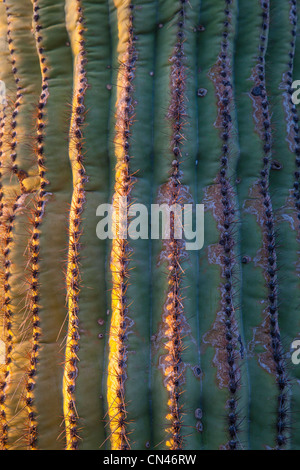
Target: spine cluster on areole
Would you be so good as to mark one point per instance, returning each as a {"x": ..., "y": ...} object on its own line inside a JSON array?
[
  {"x": 269, "y": 237},
  {"x": 228, "y": 226},
  {"x": 34, "y": 245},
  {"x": 77, "y": 155},
  {"x": 173, "y": 309},
  {"x": 9, "y": 216},
  {"x": 120, "y": 254}
]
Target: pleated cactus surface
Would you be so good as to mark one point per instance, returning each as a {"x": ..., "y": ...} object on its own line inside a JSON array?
[{"x": 141, "y": 341}]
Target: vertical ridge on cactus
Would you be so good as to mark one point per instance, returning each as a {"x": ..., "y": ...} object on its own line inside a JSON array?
[
  {"x": 120, "y": 256},
  {"x": 75, "y": 229},
  {"x": 269, "y": 239},
  {"x": 228, "y": 223},
  {"x": 34, "y": 246},
  {"x": 135, "y": 341},
  {"x": 174, "y": 322},
  {"x": 283, "y": 176}
]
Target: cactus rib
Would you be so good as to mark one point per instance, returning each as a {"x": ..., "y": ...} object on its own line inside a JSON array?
[
  {"x": 173, "y": 317},
  {"x": 34, "y": 247},
  {"x": 227, "y": 228},
  {"x": 120, "y": 254},
  {"x": 269, "y": 237},
  {"x": 75, "y": 231}
]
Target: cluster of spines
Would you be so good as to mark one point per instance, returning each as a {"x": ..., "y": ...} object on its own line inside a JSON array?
[
  {"x": 270, "y": 240},
  {"x": 34, "y": 245},
  {"x": 174, "y": 305},
  {"x": 292, "y": 106},
  {"x": 227, "y": 239},
  {"x": 75, "y": 232},
  {"x": 121, "y": 250}
]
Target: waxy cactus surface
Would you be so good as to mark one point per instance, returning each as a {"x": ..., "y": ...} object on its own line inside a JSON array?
[{"x": 140, "y": 341}]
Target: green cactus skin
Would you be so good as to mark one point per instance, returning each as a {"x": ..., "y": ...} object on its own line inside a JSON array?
[{"x": 141, "y": 344}]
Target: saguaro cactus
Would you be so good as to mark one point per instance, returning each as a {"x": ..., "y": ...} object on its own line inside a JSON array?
[{"x": 137, "y": 342}]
